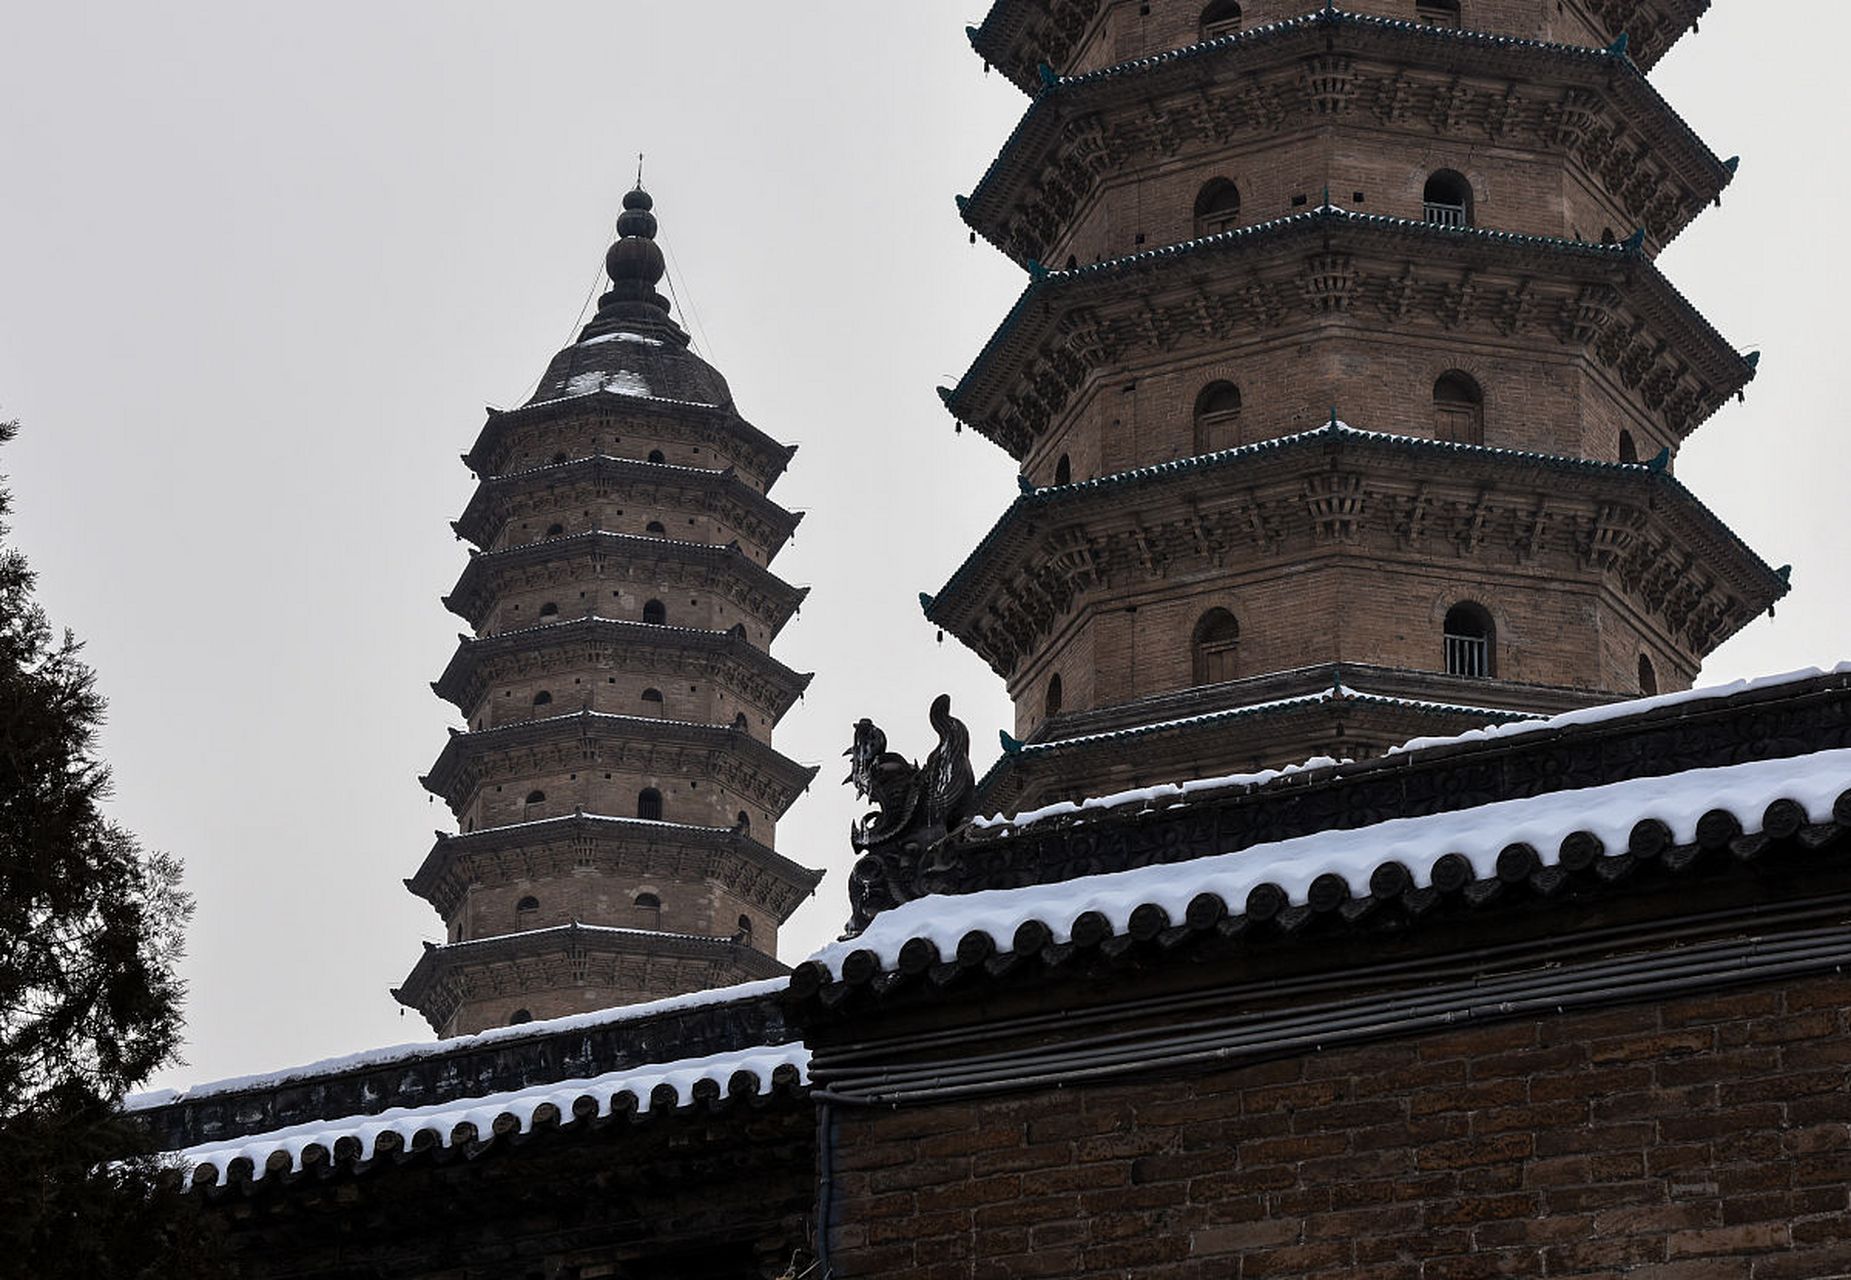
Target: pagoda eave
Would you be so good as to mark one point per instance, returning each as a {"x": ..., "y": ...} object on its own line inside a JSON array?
[
  {"x": 757, "y": 769},
  {"x": 563, "y": 844},
  {"x": 445, "y": 975},
  {"x": 1258, "y": 503},
  {"x": 1331, "y": 723},
  {"x": 1082, "y": 130},
  {"x": 763, "y": 677},
  {"x": 1276, "y": 277},
  {"x": 719, "y": 491},
  {"x": 759, "y": 455},
  {"x": 637, "y": 558}
]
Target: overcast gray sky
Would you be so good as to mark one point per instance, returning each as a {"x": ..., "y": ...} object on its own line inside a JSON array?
[{"x": 261, "y": 267}]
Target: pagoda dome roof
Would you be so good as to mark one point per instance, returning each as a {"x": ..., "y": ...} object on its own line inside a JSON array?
[{"x": 633, "y": 347}]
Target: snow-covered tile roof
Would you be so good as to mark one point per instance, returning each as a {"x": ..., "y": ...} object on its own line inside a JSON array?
[
  {"x": 638, "y": 1090},
  {"x": 387, "y": 1055},
  {"x": 1479, "y": 835}
]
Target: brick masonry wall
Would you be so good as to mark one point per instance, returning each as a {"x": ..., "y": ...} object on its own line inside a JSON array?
[{"x": 1702, "y": 1139}]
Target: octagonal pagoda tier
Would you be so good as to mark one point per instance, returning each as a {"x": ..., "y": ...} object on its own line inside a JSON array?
[
  {"x": 1546, "y": 139},
  {"x": 1572, "y": 348},
  {"x": 615, "y": 784},
  {"x": 1153, "y": 597},
  {"x": 1029, "y": 39}
]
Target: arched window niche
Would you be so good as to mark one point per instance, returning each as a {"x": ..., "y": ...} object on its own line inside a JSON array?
[
  {"x": 1458, "y": 408},
  {"x": 1063, "y": 470},
  {"x": 1215, "y": 647},
  {"x": 1629, "y": 452},
  {"x": 1051, "y": 701},
  {"x": 648, "y": 911},
  {"x": 649, "y": 804},
  {"x": 1222, "y": 18},
  {"x": 1217, "y": 207},
  {"x": 1447, "y": 199},
  {"x": 655, "y": 613},
  {"x": 1648, "y": 677},
  {"x": 1217, "y": 418},
  {"x": 1437, "y": 13},
  {"x": 1470, "y": 641}
]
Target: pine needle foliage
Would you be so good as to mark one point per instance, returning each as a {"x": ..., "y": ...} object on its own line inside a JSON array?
[{"x": 91, "y": 927}]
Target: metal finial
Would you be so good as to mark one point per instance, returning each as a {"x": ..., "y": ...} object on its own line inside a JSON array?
[{"x": 639, "y": 171}]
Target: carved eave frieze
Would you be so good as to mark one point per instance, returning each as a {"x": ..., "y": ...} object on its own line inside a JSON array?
[
  {"x": 590, "y": 740},
  {"x": 573, "y": 957},
  {"x": 1328, "y": 265},
  {"x": 539, "y": 431},
  {"x": 1651, "y": 27},
  {"x": 606, "y": 558},
  {"x": 1590, "y": 105},
  {"x": 1633, "y": 528},
  {"x": 718, "y": 493},
  {"x": 608, "y": 644},
  {"x": 1018, "y": 36},
  {"x": 559, "y": 848}
]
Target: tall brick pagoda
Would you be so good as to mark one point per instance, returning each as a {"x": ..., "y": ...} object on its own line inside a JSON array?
[
  {"x": 1345, "y": 392},
  {"x": 616, "y": 790}
]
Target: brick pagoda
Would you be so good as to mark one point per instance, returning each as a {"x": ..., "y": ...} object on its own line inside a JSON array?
[
  {"x": 616, "y": 790},
  {"x": 1345, "y": 391}
]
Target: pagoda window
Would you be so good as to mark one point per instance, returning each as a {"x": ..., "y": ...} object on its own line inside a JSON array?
[
  {"x": 656, "y": 527},
  {"x": 741, "y": 723},
  {"x": 1447, "y": 199},
  {"x": 1437, "y": 13},
  {"x": 1470, "y": 641},
  {"x": 542, "y": 699},
  {"x": 1215, "y": 647},
  {"x": 656, "y": 455},
  {"x": 549, "y": 610},
  {"x": 1063, "y": 470},
  {"x": 649, "y": 804},
  {"x": 1222, "y": 18},
  {"x": 655, "y": 613},
  {"x": 1458, "y": 409},
  {"x": 554, "y": 530},
  {"x": 536, "y": 797},
  {"x": 527, "y": 905},
  {"x": 1217, "y": 417},
  {"x": 745, "y": 926},
  {"x": 648, "y": 911},
  {"x": 1648, "y": 677},
  {"x": 1217, "y": 207},
  {"x": 737, "y": 629},
  {"x": 520, "y": 1016},
  {"x": 1629, "y": 452},
  {"x": 655, "y": 696},
  {"x": 558, "y": 458},
  {"x": 742, "y": 823},
  {"x": 1051, "y": 701}
]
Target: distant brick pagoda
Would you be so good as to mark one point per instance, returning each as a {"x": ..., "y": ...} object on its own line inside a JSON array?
[
  {"x": 1345, "y": 391},
  {"x": 616, "y": 789}
]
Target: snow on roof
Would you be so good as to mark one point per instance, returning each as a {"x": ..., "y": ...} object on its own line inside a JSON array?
[
  {"x": 620, "y": 336},
  {"x": 623, "y": 382},
  {"x": 1176, "y": 790},
  {"x": 388, "y": 1054},
  {"x": 1479, "y": 834},
  {"x": 763, "y": 1063},
  {"x": 1621, "y": 710}
]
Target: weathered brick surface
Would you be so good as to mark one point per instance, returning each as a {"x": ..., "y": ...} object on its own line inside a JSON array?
[{"x": 1699, "y": 1139}]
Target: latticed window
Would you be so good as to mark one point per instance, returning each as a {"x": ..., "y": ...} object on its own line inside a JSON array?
[
  {"x": 1221, "y": 18},
  {"x": 1458, "y": 409},
  {"x": 1447, "y": 199},
  {"x": 1217, "y": 417},
  {"x": 649, "y": 804},
  {"x": 1216, "y": 647},
  {"x": 1469, "y": 640},
  {"x": 648, "y": 911},
  {"x": 1217, "y": 207}
]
